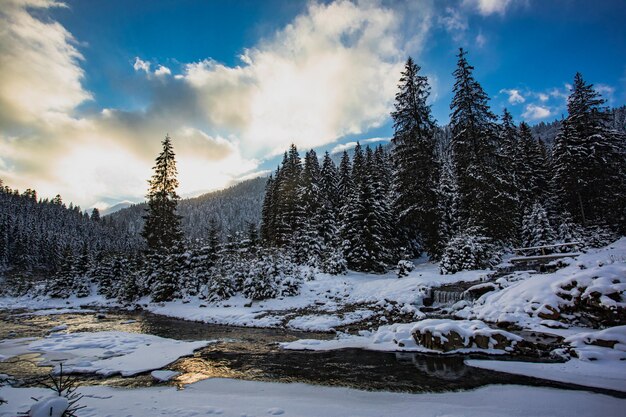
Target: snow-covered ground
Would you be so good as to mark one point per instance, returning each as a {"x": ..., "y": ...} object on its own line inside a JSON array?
[
  {"x": 533, "y": 301},
  {"x": 320, "y": 305},
  {"x": 103, "y": 353},
  {"x": 233, "y": 398},
  {"x": 599, "y": 360}
]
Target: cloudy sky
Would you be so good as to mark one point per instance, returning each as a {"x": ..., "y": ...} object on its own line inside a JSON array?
[{"x": 88, "y": 89}]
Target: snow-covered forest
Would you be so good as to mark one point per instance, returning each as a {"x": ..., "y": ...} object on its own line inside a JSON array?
[{"x": 405, "y": 248}]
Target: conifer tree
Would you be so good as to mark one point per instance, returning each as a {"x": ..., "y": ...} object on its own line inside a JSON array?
[
  {"x": 589, "y": 161},
  {"x": 484, "y": 194},
  {"x": 267, "y": 212},
  {"x": 536, "y": 229},
  {"x": 416, "y": 169},
  {"x": 288, "y": 210},
  {"x": 162, "y": 224}
]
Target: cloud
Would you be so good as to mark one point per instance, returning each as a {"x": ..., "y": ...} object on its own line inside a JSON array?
[
  {"x": 455, "y": 23},
  {"x": 141, "y": 65},
  {"x": 536, "y": 112},
  {"x": 324, "y": 76},
  {"x": 515, "y": 96},
  {"x": 606, "y": 91},
  {"x": 488, "y": 7},
  {"x": 162, "y": 71},
  {"x": 321, "y": 77},
  {"x": 40, "y": 67},
  {"x": 543, "y": 97},
  {"x": 481, "y": 40}
]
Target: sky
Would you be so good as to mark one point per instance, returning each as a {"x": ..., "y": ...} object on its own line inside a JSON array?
[{"x": 89, "y": 88}]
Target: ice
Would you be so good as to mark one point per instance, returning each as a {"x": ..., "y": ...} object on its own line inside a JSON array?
[
  {"x": 163, "y": 376},
  {"x": 103, "y": 353}
]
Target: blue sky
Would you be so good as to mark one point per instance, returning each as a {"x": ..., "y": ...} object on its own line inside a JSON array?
[{"x": 89, "y": 88}]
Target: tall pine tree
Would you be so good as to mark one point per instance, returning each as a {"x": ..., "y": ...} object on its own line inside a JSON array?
[
  {"x": 162, "y": 224},
  {"x": 416, "y": 170}
]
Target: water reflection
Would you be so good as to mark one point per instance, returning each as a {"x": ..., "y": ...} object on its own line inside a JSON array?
[{"x": 254, "y": 354}]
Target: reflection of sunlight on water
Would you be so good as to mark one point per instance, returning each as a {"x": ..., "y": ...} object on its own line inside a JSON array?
[{"x": 196, "y": 369}]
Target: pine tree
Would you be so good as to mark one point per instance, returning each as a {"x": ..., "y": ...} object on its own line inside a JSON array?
[
  {"x": 536, "y": 229},
  {"x": 532, "y": 169},
  {"x": 268, "y": 232},
  {"x": 589, "y": 161},
  {"x": 288, "y": 210},
  {"x": 162, "y": 224},
  {"x": 416, "y": 169},
  {"x": 95, "y": 214},
  {"x": 484, "y": 195}
]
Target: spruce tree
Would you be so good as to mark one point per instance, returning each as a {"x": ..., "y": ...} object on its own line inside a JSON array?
[
  {"x": 484, "y": 193},
  {"x": 162, "y": 224},
  {"x": 536, "y": 229},
  {"x": 589, "y": 161},
  {"x": 416, "y": 170}
]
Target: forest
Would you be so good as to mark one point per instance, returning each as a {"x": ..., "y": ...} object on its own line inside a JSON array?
[{"x": 463, "y": 194}]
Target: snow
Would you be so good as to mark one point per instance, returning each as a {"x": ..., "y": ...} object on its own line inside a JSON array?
[
  {"x": 103, "y": 353},
  {"x": 163, "y": 376},
  {"x": 53, "y": 406},
  {"x": 591, "y": 365},
  {"x": 399, "y": 337},
  {"x": 325, "y": 295},
  {"x": 235, "y": 398},
  {"x": 598, "y": 273}
]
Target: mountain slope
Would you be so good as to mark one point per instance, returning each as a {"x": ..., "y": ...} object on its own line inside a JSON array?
[{"x": 232, "y": 208}]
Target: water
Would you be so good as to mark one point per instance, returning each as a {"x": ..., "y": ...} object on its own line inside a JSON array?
[{"x": 253, "y": 354}]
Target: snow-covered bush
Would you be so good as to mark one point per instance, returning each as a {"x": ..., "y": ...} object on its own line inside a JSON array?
[
  {"x": 219, "y": 287},
  {"x": 469, "y": 249},
  {"x": 334, "y": 263},
  {"x": 404, "y": 267},
  {"x": 536, "y": 229}
]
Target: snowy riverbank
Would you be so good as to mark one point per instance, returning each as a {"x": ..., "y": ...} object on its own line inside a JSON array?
[{"x": 232, "y": 398}]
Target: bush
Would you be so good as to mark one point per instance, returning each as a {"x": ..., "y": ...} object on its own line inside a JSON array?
[{"x": 470, "y": 249}]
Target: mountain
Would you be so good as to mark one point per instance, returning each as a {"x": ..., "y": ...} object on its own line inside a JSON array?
[
  {"x": 232, "y": 208},
  {"x": 117, "y": 207}
]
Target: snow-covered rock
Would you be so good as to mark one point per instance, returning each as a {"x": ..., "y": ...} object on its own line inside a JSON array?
[
  {"x": 452, "y": 335},
  {"x": 591, "y": 290}
]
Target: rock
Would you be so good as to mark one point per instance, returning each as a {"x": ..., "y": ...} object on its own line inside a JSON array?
[
  {"x": 451, "y": 335},
  {"x": 548, "y": 313},
  {"x": 477, "y": 291}
]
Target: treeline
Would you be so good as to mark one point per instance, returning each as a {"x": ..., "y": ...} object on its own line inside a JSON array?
[
  {"x": 491, "y": 186},
  {"x": 37, "y": 236},
  {"x": 461, "y": 194}
]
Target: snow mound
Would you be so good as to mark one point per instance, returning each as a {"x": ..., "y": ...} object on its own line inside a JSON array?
[
  {"x": 594, "y": 283},
  {"x": 602, "y": 345},
  {"x": 103, "y": 353},
  {"x": 163, "y": 376},
  {"x": 475, "y": 336},
  {"x": 598, "y": 359},
  {"x": 53, "y": 406}
]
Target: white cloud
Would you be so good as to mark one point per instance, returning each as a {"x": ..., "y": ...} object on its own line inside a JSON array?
[
  {"x": 40, "y": 67},
  {"x": 606, "y": 91},
  {"x": 162, "y": 71},
  {"x": 488, "y": 7},
  {"x": 481, "y": 40},
  {"x": 455, "y": 23},
  {"x": 515, "y": 96},
  {"x": 141, "y": 65},
  {"x": 536, "y": 112},
  {"x": 543, "y": 97},
  {"x": 324, "y": 76}
]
